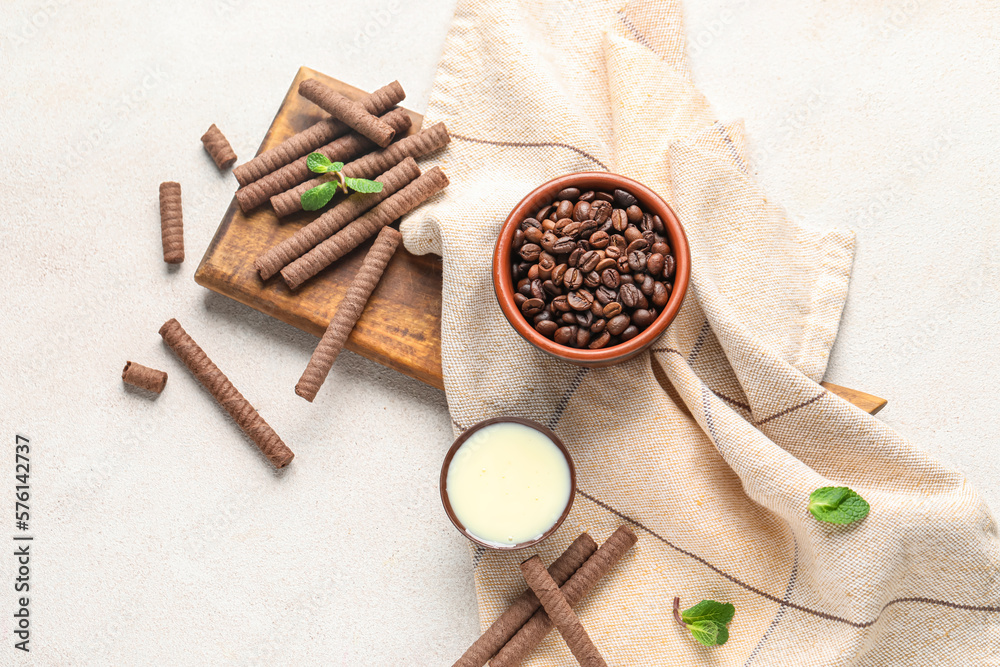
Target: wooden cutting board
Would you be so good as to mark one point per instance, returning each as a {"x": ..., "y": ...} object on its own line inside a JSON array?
[{"x": 401, "y": 327}]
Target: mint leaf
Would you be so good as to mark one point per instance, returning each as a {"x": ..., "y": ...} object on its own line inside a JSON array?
[
  {"x": 709, "y": 610},
  {"x": 318, "y": 163},
  {"x": 723, "y": 635},
  {"x": 706, "y": 632},
  {"x": 319, "y": 196},
  {"x": 363, "y": 185},
  {"x": 837, "y": 504}
]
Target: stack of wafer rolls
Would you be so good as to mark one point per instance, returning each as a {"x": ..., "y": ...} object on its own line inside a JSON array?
[
  {"x": 334, "y": 219},
  {"x": 343, "y": 149},
  {"x": 323, "y": 132},
  {"x": 366, "y": 226},
  {"x": 349, "y": 112},
  {"x": 369, "y": 166}
]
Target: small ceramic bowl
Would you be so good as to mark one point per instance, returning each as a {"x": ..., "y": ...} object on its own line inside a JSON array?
[
  {"x": 451, "y": 455},
  {"x": 503, "y": 282}
]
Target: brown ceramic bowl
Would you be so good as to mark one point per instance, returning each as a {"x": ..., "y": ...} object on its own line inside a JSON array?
[
  {"x": 461, "y": 440},
  {"x": 503, "y": 283}
]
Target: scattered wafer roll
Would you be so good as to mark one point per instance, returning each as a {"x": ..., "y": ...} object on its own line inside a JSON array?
[
  {"x": 348, "y": 313},
  {"x": 343, "y": 149},
  {"x": 562, "y": 615},
  {"x": 523, "y": 607},
  {"x": 314, "y": 136},
  {"x": 575, "y": 589},
  {"x": 351, "y": 113},
  {"x": 354, "y": 234},
  {"x": 217, "y": 384},
  {"x": 332, "y": 220},
  {"x": 218, "y": 147},
  {"x": 415, "y": 146},
  {"x": 171, "y": 222},
  {"x": 144, "y": 377}
]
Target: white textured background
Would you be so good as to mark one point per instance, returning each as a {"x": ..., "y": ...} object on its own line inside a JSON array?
[{"x": 162, "y": 537}]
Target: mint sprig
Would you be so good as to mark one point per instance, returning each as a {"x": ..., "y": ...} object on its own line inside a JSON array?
[
  {"x": 319, "y": 196},
  {"x": 837, "y": 504},
  {"x": 706, "y": 621}
]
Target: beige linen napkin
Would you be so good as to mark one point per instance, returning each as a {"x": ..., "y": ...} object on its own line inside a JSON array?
[{"x": 709, "y": 445}]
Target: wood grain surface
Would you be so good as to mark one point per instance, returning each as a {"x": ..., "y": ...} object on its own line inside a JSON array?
[{"x": 401, "y": 327}]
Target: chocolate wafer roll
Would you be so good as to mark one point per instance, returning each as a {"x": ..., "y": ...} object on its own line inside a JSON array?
[
  {"x": 217, "y": 384},
  {"x": 354, "y": 234},
  {"x": 314, "y": 136},
  {"x": 348, "y": 111},
  {"x": 415, "y": 146},
  {"x": 558, "y": 609},
  {"x": 348, "y": 313},
  {"x": 171, "y": 222},
  {"x": 581, "y": 583},
  {"x": 218, "y": 147},
  {"x": 332, "y": 220},
  {"x": 522, "y": 608},
  {"x": 343, "y": 149},
  {"x": 144, "y": 377}
]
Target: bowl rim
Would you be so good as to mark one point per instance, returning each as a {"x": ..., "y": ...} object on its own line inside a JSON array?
[
  {"x": 503, "y": 283},
  {"x": 462, "y": 438}
]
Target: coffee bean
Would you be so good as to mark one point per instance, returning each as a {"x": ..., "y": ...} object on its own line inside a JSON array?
[
  {"x": 571, "y": 230},
  {"x": 642, "y": 318},
  {"x": 619, "y": 220},
  {"x": 551, "y": 288},
  {"x": 654, "y": 264},
  {"x": 558, "y": 273},
  {"x": 617, "y": 324},
  {"x": 580, "y": 299},
  {"x": 646, "y": 225},
  {"x": 624, "y": 268},
  {"x": 583, "y": 245},
  {"x": 564, "y": 209},
  {"x": 606, "y": 263},
  {"x": 589, "y": 261},
  {"x": 529, "y": 252},
  {"x": 568, "y": 193},
  {"x": 518, "y": 239},
  {"x": 630, "y": 296},
  {"x": 585, "y": 318},
  {"x": 519, "y": 299},
  {"x": 581, "y": 211},
  {"x": 600, "y": 341},
  {"x": 632, "y": 233},
  {"x": 582, "y": 337},
  {"x": 599, "y": 240},
  {"x": 658, "y": 225},
  {"x": 546, "y": 263},
  {"x": 604, "y": 196},
  {"x": 630, "y": 332},
  {"x": 661, "y": 248},
  {"x": 546, "y": 328},
  {"x": 588, "y": 196},
  {"x": 548, "y": 224},
  {"x": 524, "y": 287},
  {"x": 598, "y": 326},
  {"x": 542, "y": 316},
  {"x": 536, "y": 289},
  {"x": 611, "y": 278},
  {"x": 638, "y": 244},
  {"x": 592, "y": 279},
  {"x": 637, "y": 261},
  {"x": 559, "y": 304},
  {"x": 616, "y": 247},
  {"x": 647, "y": 285},
  {"x": 669, "y": 266},
  {"x": 573, "y": 278},
  {"x": 624, "y": 198},
  {"x": 561, "y": 225},
  {"x": 568, "y": 318},
  {"x": 605, "y": 294},
  {"x": 660, "y": 295},
  {"x": 562, "y": 245},
  {"x": 564, "y": 335},
  {"x": 588, "y": 227},
  {"x": 515, "y": 272},
  {"x": 574, "y": 257},
  {"x": 634, "y": 214},
  {"x": 543, "y": 212},
  {"x": 612, "y": 309},
  {"x": 548, "y": 239},
  {"x": 532, "y": 307},
  {"x": 533, "y": 235},
  {"x": 600, "y": 211}
]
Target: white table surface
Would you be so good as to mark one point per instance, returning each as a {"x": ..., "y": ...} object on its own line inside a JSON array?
[{"x": 163, "y": 537}]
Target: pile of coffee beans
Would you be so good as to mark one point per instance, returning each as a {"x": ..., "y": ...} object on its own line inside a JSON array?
[{"x": 592, "y": 269}]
